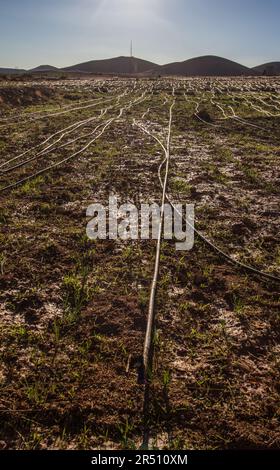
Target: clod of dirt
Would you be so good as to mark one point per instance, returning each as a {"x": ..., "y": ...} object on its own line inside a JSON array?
[
  {"x": 240, "y": 229},
  {"x": 203, "y": 114},
  {"x": 25, "y": 96}
]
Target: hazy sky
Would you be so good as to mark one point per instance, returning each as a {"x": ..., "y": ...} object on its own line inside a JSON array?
[{"x": 65, "y": 32}]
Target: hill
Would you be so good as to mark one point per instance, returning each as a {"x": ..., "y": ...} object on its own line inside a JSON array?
[
  {"x": 117, "y": 65},
  {"x": 271, "y": 68},
  {"x": 44, "y": 68},
  {"x": 204, "y": 66},
  {"x": 7, "y": 71},
  {"x": 199, "y": 66}
]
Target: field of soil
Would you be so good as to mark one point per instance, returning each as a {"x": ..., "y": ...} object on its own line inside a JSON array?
[{"x": 73, "y": 311}]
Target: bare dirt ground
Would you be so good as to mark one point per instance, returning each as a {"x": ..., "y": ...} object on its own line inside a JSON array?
[{"x": 73, "y": 310}]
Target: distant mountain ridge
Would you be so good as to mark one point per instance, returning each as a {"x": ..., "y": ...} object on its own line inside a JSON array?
[
  {"x": 117, "y": 65},
  {"x": 44, "y": 68},
  {"x": 271, "y": 68},
  {"x": 7, "y": 71},
  {"x": 204, "y": 66}
]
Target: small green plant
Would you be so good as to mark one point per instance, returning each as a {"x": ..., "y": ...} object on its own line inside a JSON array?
[
  {"x": 45, "y": 208},
  {"x": 166, "y": 379},
  {"x": 252, "y": 175},
  {"x": 125, "y": 429},
  {"x": 238, "y": 305},
  {"x": 25, "y": 299},
  {"x": 215, "y": 173},
  {"x": 34, "y": 441},
  {"x": 84, "y": 437},
  {"x": 3, "y": 216},
  {"x": 180, "y": 186},
  {"x": 85, "y": 347},
  {"x": 31, "y": 187},
  {"x": 143, "y": 300},
  {"x": 76, "y": 294},
  {"x": 36, "y": 393},
  {"x": 18, "y": 331},
  {"x": 224, "y": 154},
  {"x": 56, "y": 330},
  {"x": 3, "y": 260},
  {"x": 2, "y": 144}
]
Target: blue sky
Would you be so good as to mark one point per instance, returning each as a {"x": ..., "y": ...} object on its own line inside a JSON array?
[{"x": 65, "y": 32}]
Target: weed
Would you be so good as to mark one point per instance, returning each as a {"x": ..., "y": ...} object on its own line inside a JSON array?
[
  {"x": 252, "y": 175},
  {"x": 143, "y": 300},
  {"x": 3, "y": 259},
  {"x": 3, "y": 216},
  {"x": 180, "y": 186},
  {"x": 76, "y": 294},
  {"x": 125, "y": 429},
  {"x": 166, "y": 378},
  {"x": 31, "y": 187}
]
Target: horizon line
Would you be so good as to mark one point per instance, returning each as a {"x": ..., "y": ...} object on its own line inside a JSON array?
[{"x": 139, "y": 58}]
